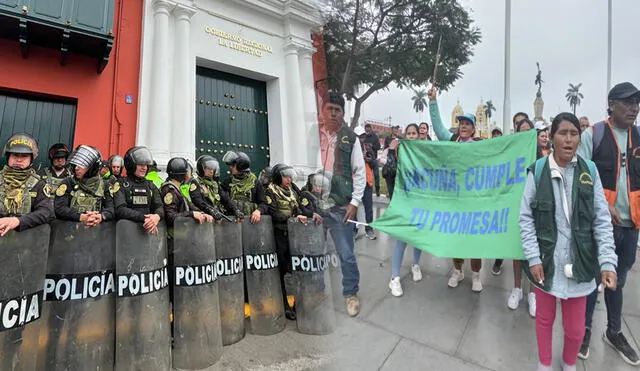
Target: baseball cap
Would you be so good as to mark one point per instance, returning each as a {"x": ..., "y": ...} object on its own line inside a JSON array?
[
  {"x": 623, "y": 91},
  {"x": 496, "y": 129},
  {"x": 540, "y": 126},
  {"x": 468, "y": 117},
  {"x": 359, "y": 130}
]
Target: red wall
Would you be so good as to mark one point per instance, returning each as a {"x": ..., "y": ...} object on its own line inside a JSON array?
[{"x": 103, "y": 118}]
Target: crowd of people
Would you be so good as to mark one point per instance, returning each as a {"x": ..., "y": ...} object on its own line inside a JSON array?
[{"x": 579, "y": 220}]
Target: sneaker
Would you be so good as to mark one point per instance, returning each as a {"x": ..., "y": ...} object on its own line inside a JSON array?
[
  {"x": 621, "y": 345},
  {"x": 371, "y": 235},
  {"x": 531, "y": 298},
  {"x": 542, "y": 367},
  {"x": 395, "y": 286},
  {"x": 584, "y": 348},
  {"x": 566, "y": 367},
  {"x": 456, "y": 277},
  {"x": 476, "y": 283},
  {"x": 415, "y": 271},
  {"x": 353, "y": 305},
  {"x": 496, "y": 270},
  {"x": 515, "y": 298}
]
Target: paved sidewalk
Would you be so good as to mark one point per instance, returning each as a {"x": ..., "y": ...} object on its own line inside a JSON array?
[{"x": 431, "y": 327}]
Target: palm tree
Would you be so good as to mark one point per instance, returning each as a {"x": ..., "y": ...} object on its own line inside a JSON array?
[
  {"x": 488, "y": 108},
  {"x": 419, "y": 101},
  {"x": 574, "y": 96}
]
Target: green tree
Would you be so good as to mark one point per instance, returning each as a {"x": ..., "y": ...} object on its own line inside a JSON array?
[
  {"x": 488, "y": 110},
  {"x": 419, "y": 101},
  {"x": 574, "y": 97},
  {"x": 373, "y": 43}
]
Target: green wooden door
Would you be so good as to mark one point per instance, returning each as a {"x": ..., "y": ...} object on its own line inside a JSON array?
[
  {"x": 231, "y": 115},
  {"x": 49, "y": 121}
]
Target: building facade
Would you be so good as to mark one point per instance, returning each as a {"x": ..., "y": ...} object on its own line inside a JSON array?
[
  {"x": 229, "y": 75},
  {"x": 70, "y": 72}
]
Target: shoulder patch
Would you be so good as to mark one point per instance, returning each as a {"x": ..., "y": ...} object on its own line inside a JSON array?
[
  {"x": 269, "y": 200},
  {"x": 47, "y": 190},
  {"x": 114, "y": 188},
  {"x": 193, "y": 187},
  {"x": 61, "y": 190},
  {"x": 168, "y": 198},
  {"x": 305, "y": 202}
]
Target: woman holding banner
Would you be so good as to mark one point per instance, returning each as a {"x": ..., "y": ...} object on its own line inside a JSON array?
[
  {"x": 567, "y": 238},
  {"x": 466, "y": 132},
  {"x": 411, "y": 133}
]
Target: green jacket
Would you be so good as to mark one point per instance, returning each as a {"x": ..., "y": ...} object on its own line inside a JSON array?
[{"x": 154, "y": 178}]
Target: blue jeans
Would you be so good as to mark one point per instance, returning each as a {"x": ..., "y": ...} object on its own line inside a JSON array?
[
  {"x": 342, "y": 234},
  {"x": 398, "y": 253},
  {"x": 367, "y": 202},
  {"x": 626, "y": 240}
]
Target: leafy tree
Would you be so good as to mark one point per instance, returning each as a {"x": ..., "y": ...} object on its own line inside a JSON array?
[
  {"x": 372, "y": 43},
  {"x": 488, "y": 110},
  {"x": 419, "y": 101},
  {"x": 574, "y": 97}
]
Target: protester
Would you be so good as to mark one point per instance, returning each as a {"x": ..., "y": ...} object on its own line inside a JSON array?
[
  {"x": 517, "y": 118},
  {"x": 389, "y": 169},
  {"x": 558, "y": 241},
  {"x": 584, "y": 123},
  {"x": 424, "y": 131},
  {"x": 372, "y": 138},
  {"x": 612, "y": 145},
  {"x": 496, "y": 132},
  {"x": 342, "y": 156},
  {"x": 367, "y": 197},
  {"x": 524, "y": 125},
  {"x": 466, "y": 131},
  {"x": 544, "y": 147},
  {"x": 412, "y": 133}
]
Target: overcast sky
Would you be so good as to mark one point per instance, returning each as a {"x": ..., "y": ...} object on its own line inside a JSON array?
[{"x": 568, "y": 38}]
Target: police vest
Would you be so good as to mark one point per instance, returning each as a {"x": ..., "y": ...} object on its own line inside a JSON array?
[
  {"x": 342, "y": 179},
  {"x": 243, "y": 199},
  {"x": 606, "y": 155},
  {"x": 138, "y": 194},
  {"x": 211, "y": 191},
  {"x": 185, "y": 204},
  {"x": 17, "y": 202},
  {"x": 584, "y": 251},
  {"x": 285, "y": 205},
  {"x": 53, "y": 181},
  {"x": 83, "y": 200}
]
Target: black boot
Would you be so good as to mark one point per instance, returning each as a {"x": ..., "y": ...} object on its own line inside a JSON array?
[{"x": 289, "y": 312}]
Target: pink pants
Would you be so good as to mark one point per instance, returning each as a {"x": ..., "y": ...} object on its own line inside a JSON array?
[{"x": 573, "y": 314}]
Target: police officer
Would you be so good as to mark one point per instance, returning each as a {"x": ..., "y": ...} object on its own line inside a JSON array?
[
  {"x": 207, "y": 194},
  {"x": 85, "y": 197},
  {"x": 136, "y": 198},
  {"x": 283, "y": 203},
  {"x": 115, "y": 166},
  {"x": 265, "y": 176},
  {"x": 186, "y": 184},
  {"x": 25, "y": 199},
  {"x": 57, "y": 172},
  {"x": 317, "y": 191},
  {"x": 152, "y": 175},
  {"x": 243, "y": 186}
]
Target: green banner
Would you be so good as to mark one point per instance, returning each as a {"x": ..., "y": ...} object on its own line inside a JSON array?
[{"x": 461, "y": 200}]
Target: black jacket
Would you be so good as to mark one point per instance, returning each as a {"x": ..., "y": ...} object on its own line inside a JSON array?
[
  {"x": 130, "y": 208},
  {"x": 62, "y": 204}
]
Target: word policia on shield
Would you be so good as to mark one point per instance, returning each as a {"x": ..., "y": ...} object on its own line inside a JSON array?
[{"x": 461, "y": 200}]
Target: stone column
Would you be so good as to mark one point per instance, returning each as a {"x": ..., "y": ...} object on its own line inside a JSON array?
[
  {"x": 310, "y": 110},
  {"x": 295, "y": 143},
  {"x": 158, "y": 127},
  {"x": 182, "y": 137}
]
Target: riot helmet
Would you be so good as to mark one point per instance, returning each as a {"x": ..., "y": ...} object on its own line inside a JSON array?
[
  {"x": 265, "y": 176},
  {"x": 319, "y": 184},
  {"x": 21, "y": 143},
  {"x": 153, "y": 167},
  {"x": 281, "y": 171},
  {"x": 59, "y": 150},
  {"x": 177, "y": 169},
  {"x": 207, "y": 162},
  {"x": 240, "y": 160},
  {"x": 87, "y": 157},
  {"x": 138, "y": 155}
]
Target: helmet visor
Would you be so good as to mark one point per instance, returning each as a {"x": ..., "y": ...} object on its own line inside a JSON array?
[
  {"x": 288, "y": 172},
  {"x": 211, "y": 165},
  {"x": 142, "y": 156},
  {"x": 229, "y": 157},
  {"x": 84, "y": 156}
]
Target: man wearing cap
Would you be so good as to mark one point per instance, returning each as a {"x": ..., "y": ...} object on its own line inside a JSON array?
[
  {"x": 466, "y": 131},
  {"x": 614, "y": 144},
  {"x": 496, "y": 132},
  {"x": 57, "y": 172},
  {"x": 342, "y": 156}
]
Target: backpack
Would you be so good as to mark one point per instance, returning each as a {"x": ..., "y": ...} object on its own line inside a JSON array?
[
  {"x": 598, "y": 134},
  {"x": 537, "y": 173}
]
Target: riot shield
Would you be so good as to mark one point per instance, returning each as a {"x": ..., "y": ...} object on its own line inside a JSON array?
[
  {"x": 196, "y": 312},
  {"x": 23, "y": 263},
  {"x": 79, "y": 291},
  {"x": 229, "y": 267},
  {"x": 309, "y": 262},
  {"x": 263, "y": 278},
  {"x": 143, "y": 335}
]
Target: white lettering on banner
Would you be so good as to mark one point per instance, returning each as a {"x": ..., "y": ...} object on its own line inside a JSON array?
[
  {"x": 62, "y": 287},
  {"x": 195, "y": 275},
  {"x": 261, "y": 261},
  {"x": 229, "y": 266},
  {"x": 143, "y": 282},
  {"x": 17, "y": 312}
]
